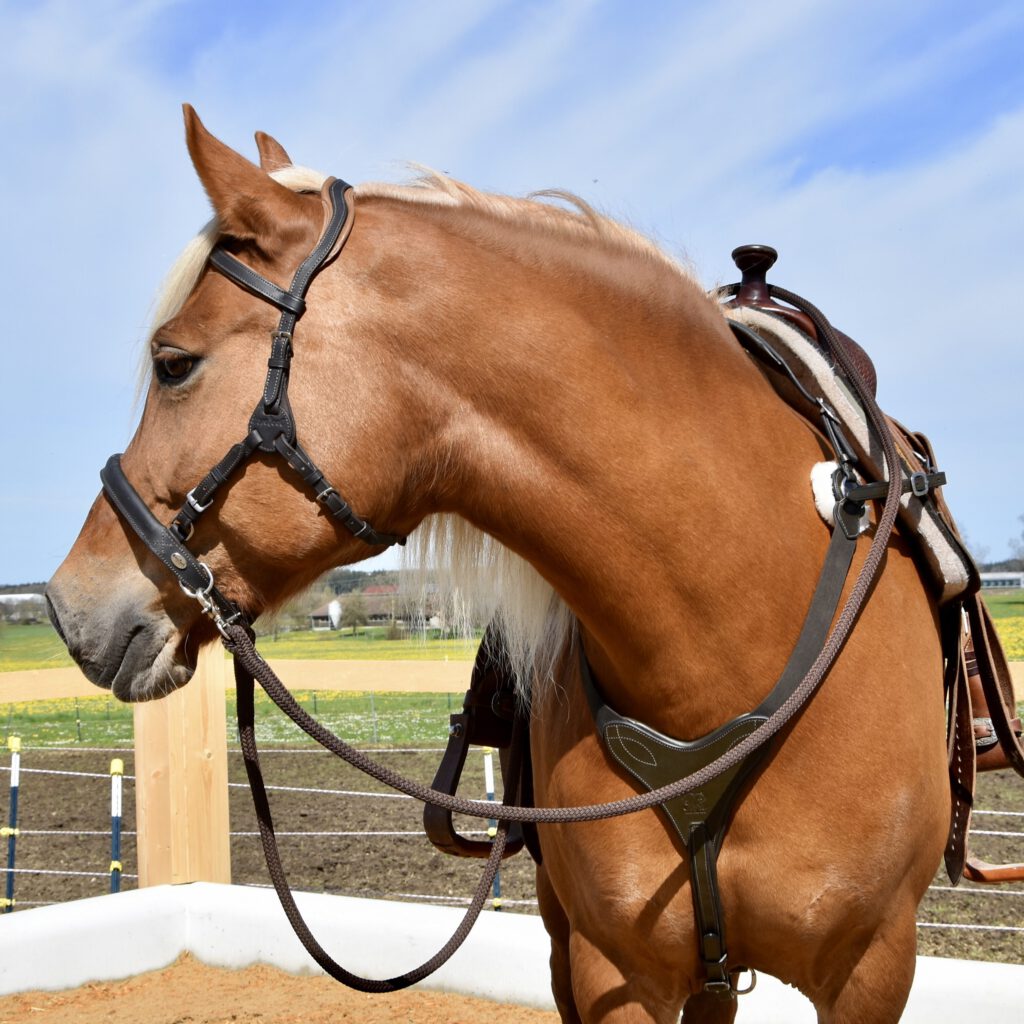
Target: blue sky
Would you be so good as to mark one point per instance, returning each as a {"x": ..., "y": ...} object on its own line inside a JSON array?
[{"x": 878, "y": 146}]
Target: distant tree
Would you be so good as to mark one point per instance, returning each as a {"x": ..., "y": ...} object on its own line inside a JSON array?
[
  {"x": 1017, "y": 546},
  {"x": 979, "y": 552},
  {"x": 353, "y": 613}
]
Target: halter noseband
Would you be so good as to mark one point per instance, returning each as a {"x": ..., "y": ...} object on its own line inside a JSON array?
[{"x": 271, "y": 429}]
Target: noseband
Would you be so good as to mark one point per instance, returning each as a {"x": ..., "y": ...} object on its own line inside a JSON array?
[{"x": 271, "y": 430}]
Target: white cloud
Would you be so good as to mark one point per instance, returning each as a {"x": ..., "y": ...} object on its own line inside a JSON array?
[{"x": 702, "y": 123}]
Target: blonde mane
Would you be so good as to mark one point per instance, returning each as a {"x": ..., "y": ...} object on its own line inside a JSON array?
[{"x": 477, "y": 578}]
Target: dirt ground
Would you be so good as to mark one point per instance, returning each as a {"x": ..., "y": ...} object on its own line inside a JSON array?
[
  {"x": 382, "y": 866},
  {"x": 192, "y": 993}
]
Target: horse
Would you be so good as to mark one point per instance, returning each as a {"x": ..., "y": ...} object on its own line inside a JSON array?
[{"x": 550, "y": 394}]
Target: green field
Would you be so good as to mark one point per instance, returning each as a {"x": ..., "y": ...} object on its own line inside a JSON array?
[
  {"x": 370, "y": 644},
  {"x": 364, "y": 719},
  {"x": 37, "y": 647},
  {"x": 29, "y": 647}
]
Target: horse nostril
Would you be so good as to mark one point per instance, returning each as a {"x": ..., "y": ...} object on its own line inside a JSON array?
[{"x": 52, "y": 612}]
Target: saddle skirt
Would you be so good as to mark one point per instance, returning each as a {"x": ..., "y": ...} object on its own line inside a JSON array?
[{"x": 925, "y": 520}]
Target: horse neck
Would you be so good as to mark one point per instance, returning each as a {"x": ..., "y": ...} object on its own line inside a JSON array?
[{"x": 602, "y": 424}]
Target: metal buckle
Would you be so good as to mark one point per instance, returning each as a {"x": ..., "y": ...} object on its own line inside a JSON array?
[
  {"x": 195, "y": 504},
  {"x": 734, "y": 975},
  {"x": 176, "y": 529},
  {"x": 919, "y": 485},
  {"x": 199, "y": 595},
  {"x": 325, "y": 494}
]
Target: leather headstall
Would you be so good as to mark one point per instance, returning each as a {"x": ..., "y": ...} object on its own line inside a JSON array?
[{"x": 271, "y": 430}]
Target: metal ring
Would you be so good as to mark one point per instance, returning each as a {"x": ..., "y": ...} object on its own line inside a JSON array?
[{"x": 198, "y": 595}]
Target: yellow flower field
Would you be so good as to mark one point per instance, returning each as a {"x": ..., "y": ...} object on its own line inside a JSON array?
[{"x": 1011, "y": 633}]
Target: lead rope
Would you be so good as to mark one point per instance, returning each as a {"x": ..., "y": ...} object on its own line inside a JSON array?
[{"x": 250, "y": 754}]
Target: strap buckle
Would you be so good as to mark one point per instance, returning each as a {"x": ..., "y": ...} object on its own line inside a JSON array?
[
  {"x": 919, "y": 484},
  {"x": 190, "y": 498}
]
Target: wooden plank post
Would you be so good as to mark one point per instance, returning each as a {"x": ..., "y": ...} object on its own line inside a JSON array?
[{"x": 181, "y": 780}]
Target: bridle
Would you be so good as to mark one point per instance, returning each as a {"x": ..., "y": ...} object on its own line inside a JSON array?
[{"x": 271, "y": 430}]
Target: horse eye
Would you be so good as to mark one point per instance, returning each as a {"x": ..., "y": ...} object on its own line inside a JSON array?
[{"x": 174, "y": 369}]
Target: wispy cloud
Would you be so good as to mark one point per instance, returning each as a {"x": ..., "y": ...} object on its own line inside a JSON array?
[{"x": 879, "y": 147}]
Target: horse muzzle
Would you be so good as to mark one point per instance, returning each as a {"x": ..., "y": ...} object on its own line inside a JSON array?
[{"x": 119, "y": 643}]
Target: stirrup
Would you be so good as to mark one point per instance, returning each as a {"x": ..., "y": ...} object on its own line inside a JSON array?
[{"x": 992, "y": 874}]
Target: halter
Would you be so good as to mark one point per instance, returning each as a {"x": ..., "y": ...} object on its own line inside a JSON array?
[{"x": 271, "y": 430}]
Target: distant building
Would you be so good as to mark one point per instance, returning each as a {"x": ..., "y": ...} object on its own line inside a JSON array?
[
  {"x": 326, "y": 617},
  {"x": 1002, "y": 580},
  {"x": 382, "y": 602}
]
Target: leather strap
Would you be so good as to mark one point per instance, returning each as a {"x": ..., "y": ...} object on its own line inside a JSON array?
[
  {"x": 236, "y": 271},
  {"x": 194, "y": 577},
  {"x": 959, "y": 746},
  {"x": 996, "y": 681}
]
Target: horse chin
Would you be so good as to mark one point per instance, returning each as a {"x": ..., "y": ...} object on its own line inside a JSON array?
[
  {"x": 137, "y": 655},
  {"x": 141, "y": 676}
]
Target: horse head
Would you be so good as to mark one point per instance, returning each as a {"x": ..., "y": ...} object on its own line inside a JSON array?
[{"x": 124, "y": 617}]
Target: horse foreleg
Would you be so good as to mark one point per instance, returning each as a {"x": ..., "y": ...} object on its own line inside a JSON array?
[
  {"x": 587, "y": 987},
  {"x": 876, "y": 990},
  {"x": 707, "y": 1008},
  {"x": 557, "y": 925}
]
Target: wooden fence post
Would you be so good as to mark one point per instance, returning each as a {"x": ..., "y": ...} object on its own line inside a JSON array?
[{"x": 181, "y": 780}]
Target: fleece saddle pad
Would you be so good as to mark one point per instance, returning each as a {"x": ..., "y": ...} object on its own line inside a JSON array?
[{"x": 926, "y": 520}]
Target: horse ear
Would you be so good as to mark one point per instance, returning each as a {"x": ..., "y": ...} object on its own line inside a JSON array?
[
  {"x": 272, "y": 154},
  {"x": 249, "y": 204}
]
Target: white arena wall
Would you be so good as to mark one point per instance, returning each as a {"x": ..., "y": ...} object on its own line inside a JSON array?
[{"x": 504, "y": 959}]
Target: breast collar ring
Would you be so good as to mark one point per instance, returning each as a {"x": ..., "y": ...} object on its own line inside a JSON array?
[{"x": 271, "y": 430}]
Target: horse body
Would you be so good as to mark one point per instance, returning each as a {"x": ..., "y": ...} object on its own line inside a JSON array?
[{"x": 566, "y": 390}]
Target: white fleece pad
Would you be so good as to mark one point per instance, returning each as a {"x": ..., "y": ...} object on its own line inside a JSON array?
[{"x": 947, "y": 561}]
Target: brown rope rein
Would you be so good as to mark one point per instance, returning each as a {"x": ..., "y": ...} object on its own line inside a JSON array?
[{"x": 250, "y": 754}]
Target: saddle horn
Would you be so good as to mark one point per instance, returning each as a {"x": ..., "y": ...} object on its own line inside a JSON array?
[{"x": 753, "y": 263}]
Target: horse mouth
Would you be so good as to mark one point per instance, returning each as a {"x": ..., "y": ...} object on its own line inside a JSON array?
[
  {"x": 151, "y": 666},
  {"x": 137, "y": 661}
]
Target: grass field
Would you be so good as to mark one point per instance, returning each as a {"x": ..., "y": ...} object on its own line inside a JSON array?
[
  {"x": 389, "y": 719},
  {"x": 39, "y": 647}
]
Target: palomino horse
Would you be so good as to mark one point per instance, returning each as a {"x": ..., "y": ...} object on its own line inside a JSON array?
[{"x": 576, "y": 406}]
